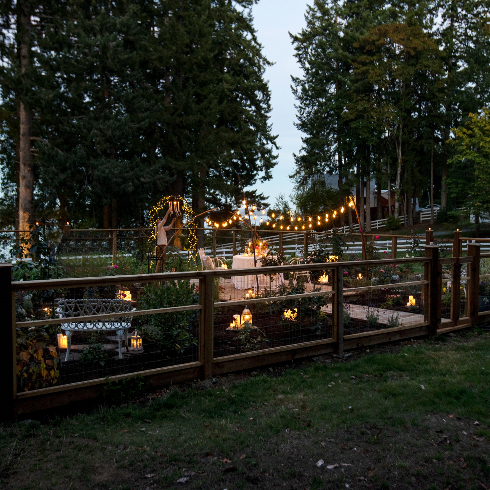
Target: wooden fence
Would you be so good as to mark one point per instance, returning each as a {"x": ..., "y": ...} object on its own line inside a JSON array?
[{"x": 208, "y": 364}]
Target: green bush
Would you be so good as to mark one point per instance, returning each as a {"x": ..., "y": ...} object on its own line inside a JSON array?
[
  {"x": 393, "y": 223},
  {"x": 170, "y": 331},
  {"x": 445, "y": 216}
]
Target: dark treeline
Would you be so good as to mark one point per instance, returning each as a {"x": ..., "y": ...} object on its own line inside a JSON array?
[
  {"x": 109, "y": 105},
  {"x": 384, "y": 84}
]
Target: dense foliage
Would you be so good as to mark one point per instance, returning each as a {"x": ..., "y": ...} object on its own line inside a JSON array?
[
  {"x": 383, "y": 84},
  {"x": 130, "y": 101}
]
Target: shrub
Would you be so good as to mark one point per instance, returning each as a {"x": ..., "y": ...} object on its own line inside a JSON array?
[
  {"x": 170, "y": 331},
  {"x": 94, "y": 353},
  {"x": 393, "y": 223},
  {"x": 372, "y": 318}
]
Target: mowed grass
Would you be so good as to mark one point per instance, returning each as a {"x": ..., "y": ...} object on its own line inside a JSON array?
[{"x": 238, "y": 432}]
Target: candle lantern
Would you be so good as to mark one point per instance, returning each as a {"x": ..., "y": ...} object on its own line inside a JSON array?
[
  {"x": 359, "y": 276},
  {"x": 246, "y": 316},
  {"x": 323, "y": 279},
  {"x": 291, "y": 314},
  {"x": 411, "y": 301},
  {"x": 136, "y": 341},
  {"x": 124, "y": 295},
  {"x": 62, "y": 341}
]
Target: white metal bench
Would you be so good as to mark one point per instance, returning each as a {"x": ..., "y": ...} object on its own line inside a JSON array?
[{"x": 68, "y": 308}]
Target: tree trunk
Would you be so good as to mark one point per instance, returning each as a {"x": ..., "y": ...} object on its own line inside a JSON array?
[
  {"x": 26, "y": 177},
  {"x": 398, "y": 174},
  {"x": 368, "y": 195},
  {"x": 106, "y": 213},
  {"x": 389, "y": 189},
  {"x": 379, "y": 207},
  {"x": 432, "y": 183},
  {"x": 114, "y": 213}
]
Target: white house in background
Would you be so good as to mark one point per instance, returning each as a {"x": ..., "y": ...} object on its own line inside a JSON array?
[{"x": 333, "y": 182}]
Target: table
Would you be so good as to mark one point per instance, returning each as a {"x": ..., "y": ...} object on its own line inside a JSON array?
[{"x": 249, "y": 282}]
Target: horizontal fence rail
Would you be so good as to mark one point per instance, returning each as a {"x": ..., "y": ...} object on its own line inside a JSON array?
[{"x": 187, "y": 325}]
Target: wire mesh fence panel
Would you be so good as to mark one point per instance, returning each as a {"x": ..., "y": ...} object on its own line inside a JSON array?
[
  {"x": 382, "y": 296},
  {"x": 265, "y": 318},
  {"x": 484, "y": 285},
  {"x": 92, "y": 344}
]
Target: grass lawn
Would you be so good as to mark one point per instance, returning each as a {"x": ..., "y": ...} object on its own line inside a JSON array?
[{"x": 412, "y": 415}]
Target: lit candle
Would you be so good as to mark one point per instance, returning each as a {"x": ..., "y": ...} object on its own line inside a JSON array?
[{"x": 62, "y": 341}]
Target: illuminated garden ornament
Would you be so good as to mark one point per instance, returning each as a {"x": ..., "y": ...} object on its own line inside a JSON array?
[{"x": 180, "y": 207}]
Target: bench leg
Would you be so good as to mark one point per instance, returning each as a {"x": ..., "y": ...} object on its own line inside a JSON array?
[
  {"x": 120, "y": 335},
  {"x": 68, "y": 344}
]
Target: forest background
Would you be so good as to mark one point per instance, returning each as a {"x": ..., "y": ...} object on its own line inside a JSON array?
[{"x": 108, "y": 106}]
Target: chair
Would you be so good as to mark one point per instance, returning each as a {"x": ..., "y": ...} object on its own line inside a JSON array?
[
  {"x": 305, "y": 275},
  {"x": 209, "y": 263}
]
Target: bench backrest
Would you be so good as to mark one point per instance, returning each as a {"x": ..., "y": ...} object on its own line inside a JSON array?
[{"x": 67, "y": 308}]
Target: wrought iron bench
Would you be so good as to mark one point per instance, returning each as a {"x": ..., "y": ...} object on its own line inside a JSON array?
[{"x": 68, "y": 308}]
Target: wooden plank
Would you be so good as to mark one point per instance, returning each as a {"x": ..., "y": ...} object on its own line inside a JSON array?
[
  {"x": 8, "y": 356},
  {"x": 106, "y": 316},
  {"x": 338, "y": 312},
  {"x": 382, "y": 337},
  {"x": 114, "y": 246},
  {"x": 47, "y": 398},
  {"x": 206, "y": 326},
  {"x": 473, "y": 282},
  {"x": 456, "y": 278},
  {"x": 77, "y": 282},
  {"x": 270, "y": 299},
  {"x": 251, "y": 360},
  {"x": 451, "y": 261},
  {"x": 394, "y": 239}
]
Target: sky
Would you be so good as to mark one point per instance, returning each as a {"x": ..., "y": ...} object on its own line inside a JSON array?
[{"x": 273, "y": 20}]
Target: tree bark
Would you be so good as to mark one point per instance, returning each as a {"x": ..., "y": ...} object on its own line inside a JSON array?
[
  {"x": 398, "y": 174},
  {"x": 26, "y": 176},
  {"x": 368, "y": 196}
]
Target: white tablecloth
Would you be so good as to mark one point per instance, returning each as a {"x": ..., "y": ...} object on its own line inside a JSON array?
[{"x": 249, "y": 282}]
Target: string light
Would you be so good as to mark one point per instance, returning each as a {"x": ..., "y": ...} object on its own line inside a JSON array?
[
  {"x": 181, "y": 206},
  {"x": 310, "y": 219}
]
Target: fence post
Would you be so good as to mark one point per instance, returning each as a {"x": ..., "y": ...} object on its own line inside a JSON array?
[
  {"x": 473, "y": 283},
  {"x": 234, "y": 242},
  {"x": 305, "y": 244},
  {"x": 281, "y": 248},
  {"x": 8, "y": 368},
  {"x": 206, "y": 325},
  {"x": 214, "y": 242},
  {"x": 432, "y": 296},
  {"x": 338, "y": 310},
  {"x": 429, "y": 236},
  {"x": 456, "y": 278},
  {"x": 393, "y": 247},
  {"x": 114, "y": 246}
]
